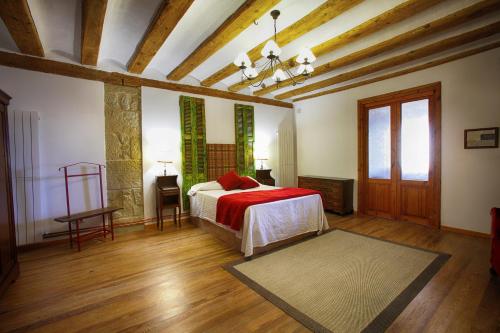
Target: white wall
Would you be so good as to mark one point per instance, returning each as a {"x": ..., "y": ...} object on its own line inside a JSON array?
[
  {"x": 161, "y": 123},
  {"x": 327, "y": 135},
  {"x": 71, "y": 129}
]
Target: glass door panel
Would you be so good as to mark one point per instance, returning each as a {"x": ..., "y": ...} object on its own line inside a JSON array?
[
  {"x": 379, "y": 143},
  {"x": 415, "y": 140}
]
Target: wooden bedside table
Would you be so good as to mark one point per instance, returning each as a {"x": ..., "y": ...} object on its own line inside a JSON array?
[
  {"x": 167, "y": 196},
  {"x": 263, "y": 176}
]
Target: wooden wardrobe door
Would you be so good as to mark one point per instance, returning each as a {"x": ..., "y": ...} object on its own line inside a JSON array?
[
  {"x": 5, "y": 211},
  {"x": 9, "y": 268}
]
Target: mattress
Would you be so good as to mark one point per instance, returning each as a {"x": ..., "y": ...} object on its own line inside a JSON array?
[{"x": 265, "y": 223}]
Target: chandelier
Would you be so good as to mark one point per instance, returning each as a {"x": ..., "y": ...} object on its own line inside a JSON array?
[{"x": 273, "y": 64}]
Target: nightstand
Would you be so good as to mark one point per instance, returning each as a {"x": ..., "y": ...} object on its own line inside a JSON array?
[
  {"x": 263, "y": 176},
  {"x": 167, "y": 196}
]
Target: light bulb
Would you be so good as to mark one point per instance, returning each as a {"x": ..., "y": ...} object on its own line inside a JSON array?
[
  {"x": 250, "y": 72},
  {"x": 271, "y": 48},
  {"x": 305, "y": 54},
  {"x": 242, "y": 60},
  {"x": 279, "y": 75}
]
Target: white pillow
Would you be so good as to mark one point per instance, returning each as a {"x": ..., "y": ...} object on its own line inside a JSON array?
[{"x": 208, "y": 186}]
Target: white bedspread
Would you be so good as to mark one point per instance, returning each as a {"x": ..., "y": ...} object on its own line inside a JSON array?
[{"x": 265, "y": 223}]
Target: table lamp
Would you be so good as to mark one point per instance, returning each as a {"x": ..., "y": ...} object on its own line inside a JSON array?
[
  {"x": 165, "y": 166},
  {"x": 261, "y": 162}
]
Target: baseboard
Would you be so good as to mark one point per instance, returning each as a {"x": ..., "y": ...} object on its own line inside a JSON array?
[
  {"x": 39, "y": 245},
  {"x": 466, "y": 232},
  {"x": 147, "y": 222}
]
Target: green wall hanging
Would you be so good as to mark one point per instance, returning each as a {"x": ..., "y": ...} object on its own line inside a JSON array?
[
  {"x": 244, "y": 129},
  {"x": 194, "y": 151}
]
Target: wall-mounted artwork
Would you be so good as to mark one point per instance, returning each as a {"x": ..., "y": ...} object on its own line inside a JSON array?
[{"x": 481, "y": 138}]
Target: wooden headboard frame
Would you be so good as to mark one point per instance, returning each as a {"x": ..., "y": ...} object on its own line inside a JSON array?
[{"x": 221, "y": 158}]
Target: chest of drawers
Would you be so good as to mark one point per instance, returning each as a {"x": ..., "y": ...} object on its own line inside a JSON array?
[{"x": 336, "y": 192}]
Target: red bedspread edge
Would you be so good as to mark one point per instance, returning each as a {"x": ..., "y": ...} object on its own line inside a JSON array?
[{"x": 231, "y": 207}]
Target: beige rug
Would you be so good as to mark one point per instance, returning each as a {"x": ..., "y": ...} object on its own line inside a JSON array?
[{"x": 341, "y": 281}]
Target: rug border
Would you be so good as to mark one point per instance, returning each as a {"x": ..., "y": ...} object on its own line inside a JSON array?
[{"x": 382, "y": 321}]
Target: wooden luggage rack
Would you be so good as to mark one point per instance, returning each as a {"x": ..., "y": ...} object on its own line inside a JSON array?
[{"x": 78, "y": 218}]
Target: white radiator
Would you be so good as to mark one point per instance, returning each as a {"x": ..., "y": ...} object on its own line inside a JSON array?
[
  {"x": 287, "y": 167},
  {"x": 24, "y": 157}
]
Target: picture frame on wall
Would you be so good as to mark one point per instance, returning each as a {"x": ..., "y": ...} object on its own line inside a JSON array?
[{"x": 480, "y": 138}]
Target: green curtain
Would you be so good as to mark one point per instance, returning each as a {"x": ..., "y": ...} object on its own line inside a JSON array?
[
  {"x": 245, "y": 138},
  {"x": 194, "y": 151}
]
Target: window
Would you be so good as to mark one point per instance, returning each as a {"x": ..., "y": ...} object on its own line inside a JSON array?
[
  {"x": 379, "y": 143},
  {"x": 415, "y": 140}
]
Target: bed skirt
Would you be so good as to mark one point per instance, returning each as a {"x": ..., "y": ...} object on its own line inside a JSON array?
[{"x": 234, "y": 242}]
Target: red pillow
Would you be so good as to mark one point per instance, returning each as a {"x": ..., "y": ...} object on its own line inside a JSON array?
[
  {"x": 230, "y": 181},
  {"x": 247, "y": 183}
]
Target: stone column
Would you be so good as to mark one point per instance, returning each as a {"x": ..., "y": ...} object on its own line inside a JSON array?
[{"x": 124, "y": 151}]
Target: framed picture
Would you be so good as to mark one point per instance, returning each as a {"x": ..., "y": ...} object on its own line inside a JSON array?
[{"x": 481, "y": 138}]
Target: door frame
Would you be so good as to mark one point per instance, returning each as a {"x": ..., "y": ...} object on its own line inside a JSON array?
[{"x": 431, "y": 91}]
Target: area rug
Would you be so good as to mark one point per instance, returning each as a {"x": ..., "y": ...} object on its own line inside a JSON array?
[{"x": 341, "y": 281}]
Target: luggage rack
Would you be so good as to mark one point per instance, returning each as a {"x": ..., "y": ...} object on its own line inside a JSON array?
[{"x": 78, "y": 218}]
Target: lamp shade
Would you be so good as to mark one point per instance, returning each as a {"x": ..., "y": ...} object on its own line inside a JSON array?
[
  {"x": 305, "y": 55},
  {"x": 271, "y": 48},
  {"x": 250, "y": 72},
  {"x": 242, "y": 60},
  {"x": 305, "y": 69},
  {"x": 279, "y": 75}
]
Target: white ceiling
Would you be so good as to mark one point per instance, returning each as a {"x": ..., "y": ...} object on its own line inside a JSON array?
[{"x": 59, "y": 26}]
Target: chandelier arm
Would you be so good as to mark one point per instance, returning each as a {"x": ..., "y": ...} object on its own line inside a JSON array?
[
  {"x": 265, "y": 64},
  {"x": 258, "y": 84},
  {"x": 296, "y": 79},
  {"x": 290, "y": 74},
  {"x": 252, "y": 84},
  {"x": 244, "y": 76}
]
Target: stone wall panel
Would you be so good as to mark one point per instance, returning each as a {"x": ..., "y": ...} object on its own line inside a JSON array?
[{"x": 124, "y": 150}]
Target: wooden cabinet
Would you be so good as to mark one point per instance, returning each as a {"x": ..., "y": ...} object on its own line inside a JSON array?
[
  {"x": 336, "y": 192},
  {"x": 167, "y": 196},
  {"x": 263, "y": 176},
  {"x": 9, "y": 267}
]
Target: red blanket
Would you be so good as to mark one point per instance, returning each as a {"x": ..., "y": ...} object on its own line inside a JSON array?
[{"x": 231, "y": 207}]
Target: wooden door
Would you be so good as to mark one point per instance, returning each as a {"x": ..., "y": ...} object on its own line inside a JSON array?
[
  {"x": 399, "y": 155},
  {"x": 6, "y": 258}
]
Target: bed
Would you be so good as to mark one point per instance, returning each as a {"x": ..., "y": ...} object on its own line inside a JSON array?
[{"x": 266, "y": 225}]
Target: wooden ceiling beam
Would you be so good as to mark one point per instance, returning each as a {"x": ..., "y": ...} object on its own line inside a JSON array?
[
  {"x": 419, "y": 53},
  {"x": 61, "y": 68},
  {"x": 17, "y": 18},
  {"x": 455, "y": 19},
  {"x": 166, "y": 19},
  {"x": 427, "y": 65},
  {"x": 246, "y": 14},
  {"x": 324, "y": 13},
  {"x": 377, "y": 23},
  {"x": 93, "y": 12}
]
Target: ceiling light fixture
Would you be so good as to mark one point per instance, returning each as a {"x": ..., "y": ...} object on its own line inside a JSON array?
[{"x": 280, "y": 73}]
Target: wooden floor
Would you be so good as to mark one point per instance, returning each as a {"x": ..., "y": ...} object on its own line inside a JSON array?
[{"x": 147, "y": 281}]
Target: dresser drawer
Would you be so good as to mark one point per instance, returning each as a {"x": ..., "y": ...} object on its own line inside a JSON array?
[{"x": 336, "y": 192}]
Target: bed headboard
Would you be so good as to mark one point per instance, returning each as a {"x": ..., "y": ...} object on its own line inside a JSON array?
[{"x": 221, "y": 158}]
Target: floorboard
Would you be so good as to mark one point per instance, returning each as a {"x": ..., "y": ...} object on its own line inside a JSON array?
[{"x": 148, "y": 281}]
